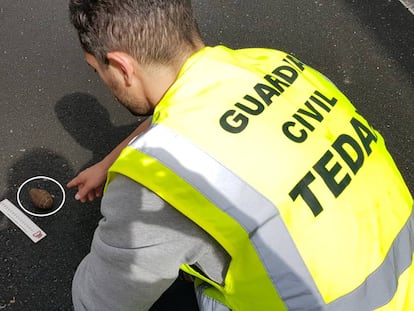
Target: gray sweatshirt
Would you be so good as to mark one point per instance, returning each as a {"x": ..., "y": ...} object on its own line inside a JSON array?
[{"x": 137, "y": 250}]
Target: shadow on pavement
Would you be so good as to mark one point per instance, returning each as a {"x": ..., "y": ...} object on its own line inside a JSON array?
[
  {"x": 88, "y": 122},
  {"x": 38, "y": 276}
]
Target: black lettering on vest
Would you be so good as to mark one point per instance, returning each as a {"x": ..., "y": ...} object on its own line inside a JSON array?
[
  {"x": 303, "y": 122},
  {"x": 259, "y": 107},
  {"x": 296, "y": 138},
  {"x": 331, "y": 101},
  {"x": 266, "y": 92},
  {"x": 340, "y": 146},
  {"x": 313, "y": 113},
  {"x": 302, "y": 189},
  {"x": 328, "y": 175},
  {"x": 239, "y": 122},
  {"x": 278, "y": 84},
  {"x": 305, "y": 116},
  {"x": 351, "y": 152},
  {"x": 286, "y": 73},
  {"x": 320, "y": 103},
  {"x": 279, "y": 80},
  {"x": 294, "y": 61},
  {"x": 366, "y": 139}
]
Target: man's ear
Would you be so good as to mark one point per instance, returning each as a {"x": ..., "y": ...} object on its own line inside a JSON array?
[{"x": 124, "y": 63}]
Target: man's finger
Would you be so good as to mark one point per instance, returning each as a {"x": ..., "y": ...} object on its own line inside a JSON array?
[
  {"x": 82, "y": 193},
  {"x": 99, "y": 191},
  {"x": 74, "y": 182}
]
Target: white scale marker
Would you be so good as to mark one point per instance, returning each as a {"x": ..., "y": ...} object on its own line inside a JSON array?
[{"x": 22, "y": 221}]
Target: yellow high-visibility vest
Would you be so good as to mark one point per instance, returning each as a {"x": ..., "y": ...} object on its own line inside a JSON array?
[{"x": 273, "y": 161}]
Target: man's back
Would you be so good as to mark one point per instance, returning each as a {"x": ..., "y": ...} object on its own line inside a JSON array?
[{"x": 302, "y": 173}]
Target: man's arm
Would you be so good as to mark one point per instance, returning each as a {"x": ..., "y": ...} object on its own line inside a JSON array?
[
  {"x": 137, "y": 250},
  {"x": 91, "y": 181}
]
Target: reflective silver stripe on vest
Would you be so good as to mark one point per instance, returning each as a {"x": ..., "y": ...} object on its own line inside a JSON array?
[
  {"x": 380, "y": 286},
  {"x": 260, "y": 218}
]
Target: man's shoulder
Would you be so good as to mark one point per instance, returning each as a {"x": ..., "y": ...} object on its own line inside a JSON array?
[{"x": 259, "y": 53}]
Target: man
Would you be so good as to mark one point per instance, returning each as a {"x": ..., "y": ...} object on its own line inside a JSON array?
[{"x": 255, "y": 175}]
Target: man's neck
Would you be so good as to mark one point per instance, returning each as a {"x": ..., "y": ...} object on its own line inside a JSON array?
[{"x": 159, "y": 78}]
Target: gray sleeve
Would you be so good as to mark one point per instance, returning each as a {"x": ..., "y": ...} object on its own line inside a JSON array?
[{"x": 137, "y": 250}]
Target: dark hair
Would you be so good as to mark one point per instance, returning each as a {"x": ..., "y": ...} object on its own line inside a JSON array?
[{"x": 150, "y": 30}]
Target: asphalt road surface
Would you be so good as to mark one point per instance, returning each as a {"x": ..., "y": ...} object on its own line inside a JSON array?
[{"x": 56, "y": 117}]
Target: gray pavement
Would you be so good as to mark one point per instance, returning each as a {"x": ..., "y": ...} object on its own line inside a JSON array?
[{"x": 57, "y": 118}]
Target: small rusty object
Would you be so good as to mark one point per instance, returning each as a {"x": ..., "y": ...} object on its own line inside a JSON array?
[{"x": 41, "y": 198}]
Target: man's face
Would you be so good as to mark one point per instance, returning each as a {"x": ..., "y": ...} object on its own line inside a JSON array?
[{"x": 131, "y": 96}]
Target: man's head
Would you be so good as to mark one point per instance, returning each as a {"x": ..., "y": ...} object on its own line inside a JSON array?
[
  {"x": 136, "y": 46},
  {"x": 152, "y": 31}
]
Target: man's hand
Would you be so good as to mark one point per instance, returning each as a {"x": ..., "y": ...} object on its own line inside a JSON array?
[{"x": 90, "y": 182}]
